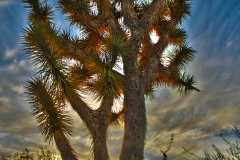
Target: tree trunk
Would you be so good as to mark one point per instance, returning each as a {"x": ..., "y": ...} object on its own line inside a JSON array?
[
  {"x": 99, "y": 132},
  {"x": 135, "y": 112},
  {"x": 100, "y": 145},
  {"x": 64, "y": 146},
  {"x": 97, "y": 122}
]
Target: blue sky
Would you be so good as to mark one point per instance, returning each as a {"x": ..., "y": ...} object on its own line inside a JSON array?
[{"x": 195, "y": 120}]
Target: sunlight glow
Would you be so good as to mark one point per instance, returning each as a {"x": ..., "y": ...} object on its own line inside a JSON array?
[
  {"x": 165, "y": 59},
  {"x": 154, "y": 37}
]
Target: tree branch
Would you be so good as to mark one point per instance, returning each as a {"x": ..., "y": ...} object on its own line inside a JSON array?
[
  {"x": 155, "y": 71},
  {"x": 130, "y": 16},
  {"x": 170, "y": 76},
  {"x": 152, "y": 14},
  {"x": 153, "y": 62},
  {"x": 107, "y": 16}
]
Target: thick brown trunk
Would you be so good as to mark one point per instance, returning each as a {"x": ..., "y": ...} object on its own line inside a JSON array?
[
  {"x": 135, "y": 112},
  {"x": 135, "y": 128}
]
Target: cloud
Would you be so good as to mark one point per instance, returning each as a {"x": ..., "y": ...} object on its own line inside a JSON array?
[
  {"x": 10, "y": 52},
  {"x": 15, "y": 119},
  {"x": 3, "y": 100},
  {"x": 11, "y": 85},
  {"x": 229, "y": 44},
  {"x": 19, "y": 89},
  {"x": 197, "y": 119},
  {"x": 19, "y": 66},
  {"x": 4, "y": 3}
]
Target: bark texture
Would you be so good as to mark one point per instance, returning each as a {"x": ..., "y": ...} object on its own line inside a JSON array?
[
  {"x": 135, "y": 112},
  {"x": 64, "y": 146},
  {"x": 97, "y": 122}
]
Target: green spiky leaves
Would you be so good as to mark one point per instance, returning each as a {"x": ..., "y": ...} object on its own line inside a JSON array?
[
  {"x": 183, "y": 84},
  {"x": 110, "y": 83},
  {"x": 79, "y": 12},
  {"x": 186, "y": 84},
  {"x": 181, "y": 56},
  {"x": 116, "y": 45},
  {"x": 41, "y": 47},
  {"x": 48, "y": 108},
  {"x": 179, "y": 10},
  {"x": 39, "y": 11},
  {"x": 177, "y": 36}
]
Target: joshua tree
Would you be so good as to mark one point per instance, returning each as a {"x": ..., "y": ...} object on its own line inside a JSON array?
[{"x": 113, "y": 33}]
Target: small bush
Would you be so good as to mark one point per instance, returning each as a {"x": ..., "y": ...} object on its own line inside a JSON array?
[
  {"x": 42, "y": 154},
  {"x": 233, "y": 150}
]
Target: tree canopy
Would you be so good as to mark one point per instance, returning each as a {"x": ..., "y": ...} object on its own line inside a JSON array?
[{"x": 113, "y": 33}]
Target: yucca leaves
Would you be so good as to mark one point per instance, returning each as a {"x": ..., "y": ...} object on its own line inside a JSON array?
[
  {"x": 180, "y": 9},
  {"x": 108, "y": 81},
  {"x": 172, "y": 15},
  {"x": 109, "y": 84},
  {"x": 71, "y": 46},
  {"x": 39, "y": 11},
  {"x": 48, "y": 109},
  {"x": 183, "y": 83},
  {"x": 42, "y": 48},
  {"x": 181, "y": 56},
  {"x": 116, "y": 46},
  {"x": 79, "y": 12},
  {"x": 186, "y": 84},
  {"x": 177, "y": 36},
  {"x": 40, "y": 45},
  {"x": 168, "y": 28},
  {"x": 105, "y": 82}
]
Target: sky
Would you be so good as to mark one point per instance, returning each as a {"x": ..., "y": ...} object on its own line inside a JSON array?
[{"x": 195, "y": 120}]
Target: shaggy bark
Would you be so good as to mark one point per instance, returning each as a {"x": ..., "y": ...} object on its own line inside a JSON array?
[
  {"x": 99, "y": 134},
  {"x": 135, "y": 112}
]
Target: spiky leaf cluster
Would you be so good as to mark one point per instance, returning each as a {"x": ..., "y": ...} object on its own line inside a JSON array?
[
  {"x": 38, "y": 11},
  {"x": 170, "y": 34},
  {"x": 48, "y": 109}
]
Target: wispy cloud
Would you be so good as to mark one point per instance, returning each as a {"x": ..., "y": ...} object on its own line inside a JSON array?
[
  {"x": 19, "y": 66},
  {"x": 196, "y": 119},
  {"x": 10, "y": 52},
  {"x": 5, "y": 3}
]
